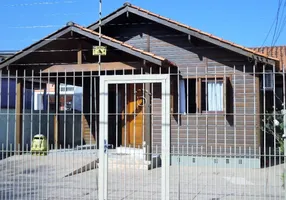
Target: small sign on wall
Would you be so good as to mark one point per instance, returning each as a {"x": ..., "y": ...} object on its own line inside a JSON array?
[{"x": 99, "y": 50}]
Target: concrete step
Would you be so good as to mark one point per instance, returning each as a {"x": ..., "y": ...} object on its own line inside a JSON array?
[{"x": 116, "y": 160}]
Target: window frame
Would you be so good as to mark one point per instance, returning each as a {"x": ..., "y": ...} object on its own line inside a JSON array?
[{"x": 226, "y": 80}]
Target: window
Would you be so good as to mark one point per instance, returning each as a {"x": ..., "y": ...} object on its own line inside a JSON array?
[
  {"x": 212, "y": 95},
  {"x": 66, "y": 88},
  {"x": 205, "y": 95},
  {"x": 269, "y": 82}
]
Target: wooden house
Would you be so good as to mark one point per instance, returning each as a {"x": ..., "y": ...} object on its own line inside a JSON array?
[{"x": 216, "y": 95}]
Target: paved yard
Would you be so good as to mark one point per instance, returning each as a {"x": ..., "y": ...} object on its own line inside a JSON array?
[{"x": 44, "y": 177}]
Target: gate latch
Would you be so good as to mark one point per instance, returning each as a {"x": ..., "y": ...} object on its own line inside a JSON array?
[{"x": 106, "y": 146}]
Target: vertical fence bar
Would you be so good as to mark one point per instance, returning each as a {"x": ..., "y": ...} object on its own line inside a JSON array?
[
  {"x": 1, "y": 94},
  {"x": 65, "y": 109},
  {"x": 234, "y": 108},
  {"x": 152, "y": 133},
  {"x": 244, "y": 109},
  {"x": 48, "y": 109},
  {"x": 235, "y": 121},
  {"x": 254, "y": 110},
  {"x": 17, "y": 130},
  {"x": 117, "y": 114},
  {"x": 206, "y": 121},
  {"x": 225, "y": 78},
  {"x": 244, "y": 121},
  {"x": 274, "y": 118},
  {"x": 7, "y": 113},
  {"x": 17, "y": 109},
  {"x": 264, "y": 130},
  {"x": 90, "y": 109},
  {"x": 125, "y": 129},
  {"x": 188, "y": 113},
  {"x": 23, "y": 110},
  {"x": 82, "y": 116},
  {"x": 167, "y": 142},
  {"x": 96, "y": 110},
  {"x": 284, "y": 129},
  {"x": 56, "y": 125},
  {"x": 273, "y": 74},
  {"x": 103, "y": 183},
  {"x": 73, "y": 108},
  {"x": 32, "y": 105},
  {"x": 31, "y": 121},
  {"x": 135, "y": 104},
  {"x": 22, "y": 150},
  {"x": 48, "y": 89},
  {"x": 42, "y": 93}
]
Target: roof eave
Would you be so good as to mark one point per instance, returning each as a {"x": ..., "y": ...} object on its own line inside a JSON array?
[
  {"x": 184, "y": 29},
  {"x": 118, "y": 46},
  {"x": 109, "y": 17},
  {"x": 90, "y": 34},
  {"x": 37, "y": 45},
  {"x": 268, "y": 60}
]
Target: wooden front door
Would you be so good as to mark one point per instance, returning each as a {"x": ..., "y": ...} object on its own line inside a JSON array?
[{"x": 135, "y": 115}]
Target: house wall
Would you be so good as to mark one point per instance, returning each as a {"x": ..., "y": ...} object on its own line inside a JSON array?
[{"x": 239, "y": 131}]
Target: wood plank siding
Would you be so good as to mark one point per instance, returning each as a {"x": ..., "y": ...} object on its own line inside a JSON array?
[{"x": 191, "y": 55}]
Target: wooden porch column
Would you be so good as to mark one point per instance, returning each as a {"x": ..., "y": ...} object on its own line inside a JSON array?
[
  {"x": 87, "y": 122},
  {"x": 147, "y": 120},
  {"x": 79, "y": 55},
  {"x": 19, "y": 113},
  {"x": 56, "y": 117}
]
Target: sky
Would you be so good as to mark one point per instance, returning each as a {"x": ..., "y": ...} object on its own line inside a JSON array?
[{"x": 245, "y": 22}]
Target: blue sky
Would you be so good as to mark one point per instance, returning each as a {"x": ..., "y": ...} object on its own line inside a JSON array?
[{"x": 245, "y": 22}]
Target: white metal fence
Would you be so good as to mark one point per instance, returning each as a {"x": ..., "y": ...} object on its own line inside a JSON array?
[
  {"x": 224, "y": 136},
  {"x": 73, "y": 174}
]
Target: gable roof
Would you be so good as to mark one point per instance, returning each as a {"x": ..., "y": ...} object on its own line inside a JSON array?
[
  {"x": 275, "y": 51},
  {"x": 92, "y": 35},
  {"x": 127, "y": 7}
]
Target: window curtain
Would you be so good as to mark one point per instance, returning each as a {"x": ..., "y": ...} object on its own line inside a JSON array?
[
  {"x": 39, "y": 105},
  {"x": 215, "y": 96},
  {"x": 182, "y": 94}
]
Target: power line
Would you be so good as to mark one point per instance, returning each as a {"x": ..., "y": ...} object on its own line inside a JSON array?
[
  {"x": 277, "y": 20},
  {"x": 268, "y": 33},
  {"x": 36, "y": 26},
  {"x": 67, "y": 14},
  {"x": 281, "y": 24},
  {"x": 40, "y": 3}
]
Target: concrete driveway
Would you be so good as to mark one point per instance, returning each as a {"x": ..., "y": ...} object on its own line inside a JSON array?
[{"x": 46, "y": 177}]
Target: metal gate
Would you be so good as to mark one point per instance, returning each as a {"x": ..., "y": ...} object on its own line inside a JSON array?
[{"x": 104, "y": 155}]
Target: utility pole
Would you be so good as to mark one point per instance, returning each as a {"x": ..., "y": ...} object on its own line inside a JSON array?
[
  {"x": 284, "y": 138},
  {"x": 99, "y": 37}
]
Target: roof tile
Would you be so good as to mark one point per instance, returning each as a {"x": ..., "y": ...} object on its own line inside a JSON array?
[
  {"x": 278, "y": 52},
  {"x": 204, "y": 33}
]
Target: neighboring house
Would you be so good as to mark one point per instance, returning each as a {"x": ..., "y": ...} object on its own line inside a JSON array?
[
  {"x": 280, "y": 53},
  {"x": 6, "y": 54},
  {"x": 225, "y": 119},
  {"x": 70, "y": 97}
]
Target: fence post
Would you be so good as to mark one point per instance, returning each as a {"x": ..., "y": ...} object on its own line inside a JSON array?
[{"x": 284, "y": 145}]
